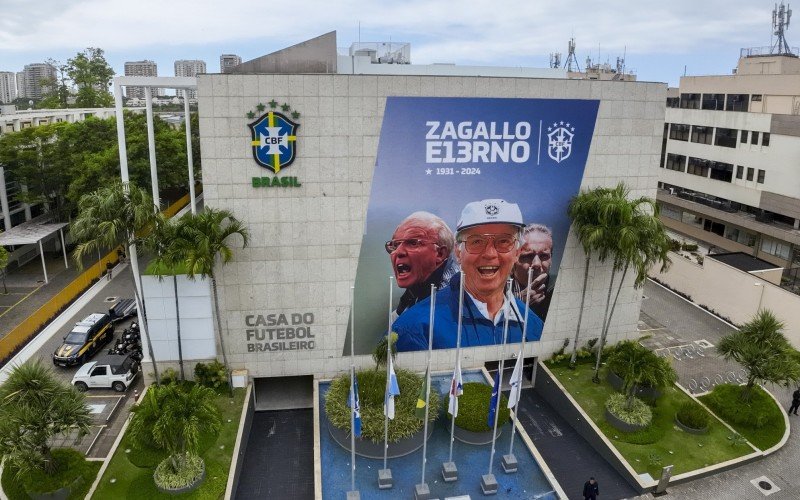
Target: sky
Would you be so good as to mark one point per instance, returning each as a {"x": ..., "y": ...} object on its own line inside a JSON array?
[{"x": 661, "y": 40}]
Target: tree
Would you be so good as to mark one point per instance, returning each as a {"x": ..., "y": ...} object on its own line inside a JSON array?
[
  {"x": 172, "y": 417},
  {"x": 55, "y": 90},
  {"x": 35, "y": 407},
  {"x": 110, "y": 216},
  {"x": 204, "y": 239},
  {"x": 161, "y": 241},
  {"x": 763, "y": 351},
  {"x": 583, "y": 210},
  {"x": 91, "y": 74},
  {"x": 3, "y": 264},
  {"x": 633, "y": 236},
  {"x": 639, "y": 367}
]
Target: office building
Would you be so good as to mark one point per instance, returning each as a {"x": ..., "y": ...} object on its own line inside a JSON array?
[{"x": 227, "y": 61}]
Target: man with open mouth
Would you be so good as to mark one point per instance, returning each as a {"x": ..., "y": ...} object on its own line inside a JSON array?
[
  {"x": 488, "y": 245},
  {"x": 421, "y": 250}
]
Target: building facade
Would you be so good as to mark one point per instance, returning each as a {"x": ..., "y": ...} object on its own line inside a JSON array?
[
  {"x": 228, "y": 61},
  {"x": 190, "y": 67},
  {"x": 728, "y": 173},
  {"x": 307, "y": 228},
  {"x": 8, "y": 86},
  {"x": 34, "y": 75},
  {"x": 141, "y": 68}
]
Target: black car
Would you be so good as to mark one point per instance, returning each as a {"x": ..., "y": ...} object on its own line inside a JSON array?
[{"x": 86, "y": 338}]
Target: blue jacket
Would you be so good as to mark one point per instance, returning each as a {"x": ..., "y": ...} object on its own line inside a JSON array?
[{"x": 412, "y": 326}]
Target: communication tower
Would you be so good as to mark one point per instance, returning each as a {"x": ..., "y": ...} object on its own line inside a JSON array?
[
  {"x": 780, "y": 23},
  {"x": 571, "y": 58},
  {"x": 555, "y": 60}
]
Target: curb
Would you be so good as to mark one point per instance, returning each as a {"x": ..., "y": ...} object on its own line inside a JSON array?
[{"x": 237, "y": 447}]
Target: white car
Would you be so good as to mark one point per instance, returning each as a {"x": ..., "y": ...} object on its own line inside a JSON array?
[{"x": 107, "y": 372}]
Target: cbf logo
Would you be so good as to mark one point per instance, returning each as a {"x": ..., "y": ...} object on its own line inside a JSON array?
[
  {"x": 274, "y": 140},
  {"x": 559, "y": 141}
]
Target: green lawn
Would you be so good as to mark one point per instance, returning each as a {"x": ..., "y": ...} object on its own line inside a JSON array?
[
  {"x": 130, "y": 473},
  {"x": 725, "y": 401},
  {"x": 663, "y": 443},
  {"x": 75, "y": 470}
]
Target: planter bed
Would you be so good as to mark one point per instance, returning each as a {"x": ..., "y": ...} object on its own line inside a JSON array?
[
  {"x": 622, "y": 425},
  {"x": 476, "y": 438},
  {"x": 366, "y": 448},
  {"x": 688, "y": 429}
]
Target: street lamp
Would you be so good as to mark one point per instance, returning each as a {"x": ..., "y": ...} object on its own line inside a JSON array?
[{"x": 760, "y": 297}]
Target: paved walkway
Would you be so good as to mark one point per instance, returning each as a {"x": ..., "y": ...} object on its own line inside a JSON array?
[{"x": 680, "y": 320}]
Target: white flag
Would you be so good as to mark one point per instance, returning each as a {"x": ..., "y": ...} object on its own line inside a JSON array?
[
  {"x": 392, "y": 390},
  {"x": 456, "y": 389},
  {"x": 516, "y": 382}
]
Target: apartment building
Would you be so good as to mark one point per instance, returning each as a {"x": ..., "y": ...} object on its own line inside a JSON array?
[
  {"x": 8, "y": 86},
  {"x": 34, "y": 74},
  {"x": 227, "y": 61},
  {"x": 731, "y": 145},
  {"x": 190, "y": 67},
  {"x": 141, "y": 68}
]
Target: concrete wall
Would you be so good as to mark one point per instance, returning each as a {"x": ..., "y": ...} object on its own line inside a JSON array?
[
  {"x": 733, "y": 293},
  {"x": 305, "y": 241}
]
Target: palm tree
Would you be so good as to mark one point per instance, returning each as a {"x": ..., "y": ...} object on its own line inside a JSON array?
[
  {"x": 763, "y": 351},
  {"x": 584, "y": 209},
  {"x": 639, "y": 367},
  {"x": 635, "y": 237},
  {"x": 110, "y": 216},
  {"x": 173, "y": 417},
  {"x": 168, "y": 257},
  {"x": 34, "y": 407},
  {"x": 204, "y": 239}
]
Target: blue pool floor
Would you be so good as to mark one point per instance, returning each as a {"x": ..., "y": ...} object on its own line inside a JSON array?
[{"x": 472, "y": 462}]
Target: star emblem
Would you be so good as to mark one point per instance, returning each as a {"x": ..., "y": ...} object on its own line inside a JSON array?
[{"x": 428, "y": 171}]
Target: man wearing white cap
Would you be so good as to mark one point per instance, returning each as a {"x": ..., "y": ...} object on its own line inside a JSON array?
[{"x": 487, "y": 247}]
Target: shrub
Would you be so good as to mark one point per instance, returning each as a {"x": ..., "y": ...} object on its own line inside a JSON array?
[
  {"x": 169, "y": 376},
  {"x": 638, "y": 414},
  {"x": 693, "y": 415},
  {"x": 689, "y": 247},
  {"x": 473, "y": 408},
  {"x": 190, "y": 469},
  {"x": 371, "y": 391},
  {"x": 674, "y": 245},
  {"x": 759, "y": 412},
  {"x": 212, "y": 375}
]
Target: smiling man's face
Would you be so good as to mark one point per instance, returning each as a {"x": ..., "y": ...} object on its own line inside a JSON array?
[
  {"x": 485, "y": 273},
  {"x": 412, "y": 264}
]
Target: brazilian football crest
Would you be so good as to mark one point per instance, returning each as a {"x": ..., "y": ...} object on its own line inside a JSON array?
[
  {"x": 559, "y": 141},
  {"x": 274, "y": 140}
]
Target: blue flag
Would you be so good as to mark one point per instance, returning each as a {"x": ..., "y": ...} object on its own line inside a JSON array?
[
  {"x": 392, "y": 390},
  {"x": 353, "y": 402},
  {"x": 493, "y": 400}
]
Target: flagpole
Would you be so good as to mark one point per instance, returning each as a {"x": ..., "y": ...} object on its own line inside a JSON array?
[
  {"x": 506, "y": 313},
  {"x": 388, "y": 358},
  {"x": 521, "y": 353},
  {"x": 458, "y": 357},
  {"x": 352, "y": 390},
  {"x": 428, "y": 385}
]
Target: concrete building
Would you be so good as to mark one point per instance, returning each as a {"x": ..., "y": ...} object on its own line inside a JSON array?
[
  {"x": 21, "y": 84},
  {"x": 8, "y": 86},
  {"x": 140, "y": 68},
  {"x": 729, "y": 174},
  {"x": 307, "y": 242},
  {"x": 34, "y": 75},
  {"x": 190, "y": 67},
  {"x": 227, "y": 61}
]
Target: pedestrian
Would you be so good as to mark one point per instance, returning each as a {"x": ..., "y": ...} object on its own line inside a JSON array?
[
  {"x": 121, "y": 254},
  {"x": 109, "y": 268},
  {"x": 591, "y": 489},
  {"x": 795, "y": 402}
]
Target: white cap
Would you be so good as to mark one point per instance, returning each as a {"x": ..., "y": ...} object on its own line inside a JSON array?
[{"x": 490, "y": 212}]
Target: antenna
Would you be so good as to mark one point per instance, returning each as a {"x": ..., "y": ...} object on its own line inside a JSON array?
[
  {"x": 555, "y": 60},
  {"x": 571, "y": 58},
  {"x": 780, "y": 23}
]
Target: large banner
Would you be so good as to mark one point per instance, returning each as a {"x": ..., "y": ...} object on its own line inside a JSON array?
[{"x": 437, "y": 156}]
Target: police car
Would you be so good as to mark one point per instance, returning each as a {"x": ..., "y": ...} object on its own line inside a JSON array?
[{"x": 86, "y": 338}]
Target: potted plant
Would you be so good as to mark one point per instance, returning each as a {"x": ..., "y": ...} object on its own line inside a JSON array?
[{"x": 626, "y": 415}]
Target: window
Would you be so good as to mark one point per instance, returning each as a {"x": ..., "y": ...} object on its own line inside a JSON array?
[
  {"x": 744, "y": 137},
  {"x": 679, "y": 132},
  {"x": 698, "y": 166},
  {"x": 713, "y": 101},
  {"x": 776, "y": 248},
  {"x": 714, "y": 227},
  {"x": 100, "y": 370},
  {"x": 749, "y": 174},
  {"x": 702, "y": 135},
  {"x": 739, "y": 171},
  {"x": 673, "y": 102},
  {"x": 726, "y": 137},
  {"x": 760, "y": 178},
  {"x": 721, "y": 171},
  {"x": 670, "y": 212},
  {"x": 737, "y": 102},
  {"x": 740, "y": 236},
  {"x": 754, "y": 137},
  {"x": 676, "y": 162},
  {"x": 691, "y": 219},
  {"x": 756, "y": 98},
  {"x": 690, "y": 101},
  {"x": 765, "y": 139}
]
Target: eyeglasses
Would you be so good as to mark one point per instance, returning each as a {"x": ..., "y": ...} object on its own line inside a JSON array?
[
  {"x": 410, "y": 243},
  {"x": 477, "y": 243},
  {"x": 527, "y": 258}
]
